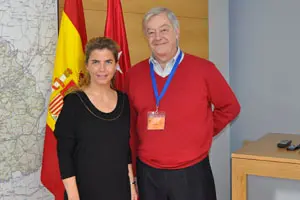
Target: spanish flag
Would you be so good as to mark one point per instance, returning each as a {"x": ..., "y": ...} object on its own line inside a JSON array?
[{"x": 68, "y": 67}]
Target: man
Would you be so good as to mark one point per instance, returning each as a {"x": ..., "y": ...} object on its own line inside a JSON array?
[{"x": 172, "y": 94}]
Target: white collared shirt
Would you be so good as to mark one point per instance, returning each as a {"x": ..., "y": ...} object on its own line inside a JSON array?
[{"x": 164, "y": 72}]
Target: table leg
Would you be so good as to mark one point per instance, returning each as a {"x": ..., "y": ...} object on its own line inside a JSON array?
[{"x": 239, "y": 181}]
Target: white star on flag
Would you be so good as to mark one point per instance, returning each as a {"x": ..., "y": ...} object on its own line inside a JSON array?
[{"x": 118, "y": 66}]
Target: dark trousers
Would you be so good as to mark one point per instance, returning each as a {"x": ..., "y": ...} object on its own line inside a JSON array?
[{"x": 192, "y": 183}]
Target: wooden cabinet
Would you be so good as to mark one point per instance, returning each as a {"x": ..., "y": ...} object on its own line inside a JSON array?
[{"x": 264, "y": 158}]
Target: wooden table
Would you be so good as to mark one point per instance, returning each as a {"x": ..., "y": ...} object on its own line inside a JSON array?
[{"x": 264, "y": 158}]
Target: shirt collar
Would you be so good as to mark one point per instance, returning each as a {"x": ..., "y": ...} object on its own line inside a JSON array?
[{"x": 152, "y": 59}]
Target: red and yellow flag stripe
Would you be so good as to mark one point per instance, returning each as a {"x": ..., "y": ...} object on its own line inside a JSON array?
[{"x": 69, "y": 63}]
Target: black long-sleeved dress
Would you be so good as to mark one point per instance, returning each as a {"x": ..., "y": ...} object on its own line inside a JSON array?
[{"x": 94, "y": 147}]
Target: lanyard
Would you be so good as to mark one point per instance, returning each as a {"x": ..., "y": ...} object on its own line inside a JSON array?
[{"x": 158, "y": 97}]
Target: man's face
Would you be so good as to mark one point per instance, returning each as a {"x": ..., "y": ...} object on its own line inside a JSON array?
[{"x": 161, "y": 37}]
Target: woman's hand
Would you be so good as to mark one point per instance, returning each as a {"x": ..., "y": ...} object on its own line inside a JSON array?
[
  {"x": 75, "y": 198},
  {"x": 132, "y": 181},
  {"x": 71, "y": 188},
  {"x": 134, "y": 194}
]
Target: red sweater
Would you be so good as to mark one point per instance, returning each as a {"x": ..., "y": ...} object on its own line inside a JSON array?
[{"x": 190, "y": 121}]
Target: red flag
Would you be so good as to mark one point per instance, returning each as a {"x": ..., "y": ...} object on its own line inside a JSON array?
[
  {"x": 115, "y": 29},
  {"x": 69, "y": 63}
]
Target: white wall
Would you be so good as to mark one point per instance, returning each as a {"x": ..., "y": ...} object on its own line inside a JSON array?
[
  {"x": 265, "y": 74},
  {"x": 219, "y": 54}
]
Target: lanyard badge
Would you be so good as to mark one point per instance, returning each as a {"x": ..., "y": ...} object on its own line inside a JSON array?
[{"x": 157, "y": 119}]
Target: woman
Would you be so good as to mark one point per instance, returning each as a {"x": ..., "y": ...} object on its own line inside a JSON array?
[{"x": 92, "y": 132}]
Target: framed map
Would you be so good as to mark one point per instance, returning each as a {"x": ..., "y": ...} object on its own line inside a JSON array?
[{"x": 28, "y": 34}]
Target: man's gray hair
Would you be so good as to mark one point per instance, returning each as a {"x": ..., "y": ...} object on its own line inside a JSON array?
[{"x": 158, "y": 10}]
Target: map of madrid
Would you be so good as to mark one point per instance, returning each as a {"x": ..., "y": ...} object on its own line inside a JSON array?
[{"x": 28, "y": 35}]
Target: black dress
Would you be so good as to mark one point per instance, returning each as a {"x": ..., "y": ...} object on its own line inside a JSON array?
[{"x": 94, "y": 147}]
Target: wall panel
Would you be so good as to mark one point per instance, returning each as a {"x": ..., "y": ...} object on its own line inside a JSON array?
[{"x": 192, "y": 15}]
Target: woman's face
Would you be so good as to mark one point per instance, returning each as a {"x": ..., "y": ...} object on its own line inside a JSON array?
[{"x": 101, "y": 66}]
